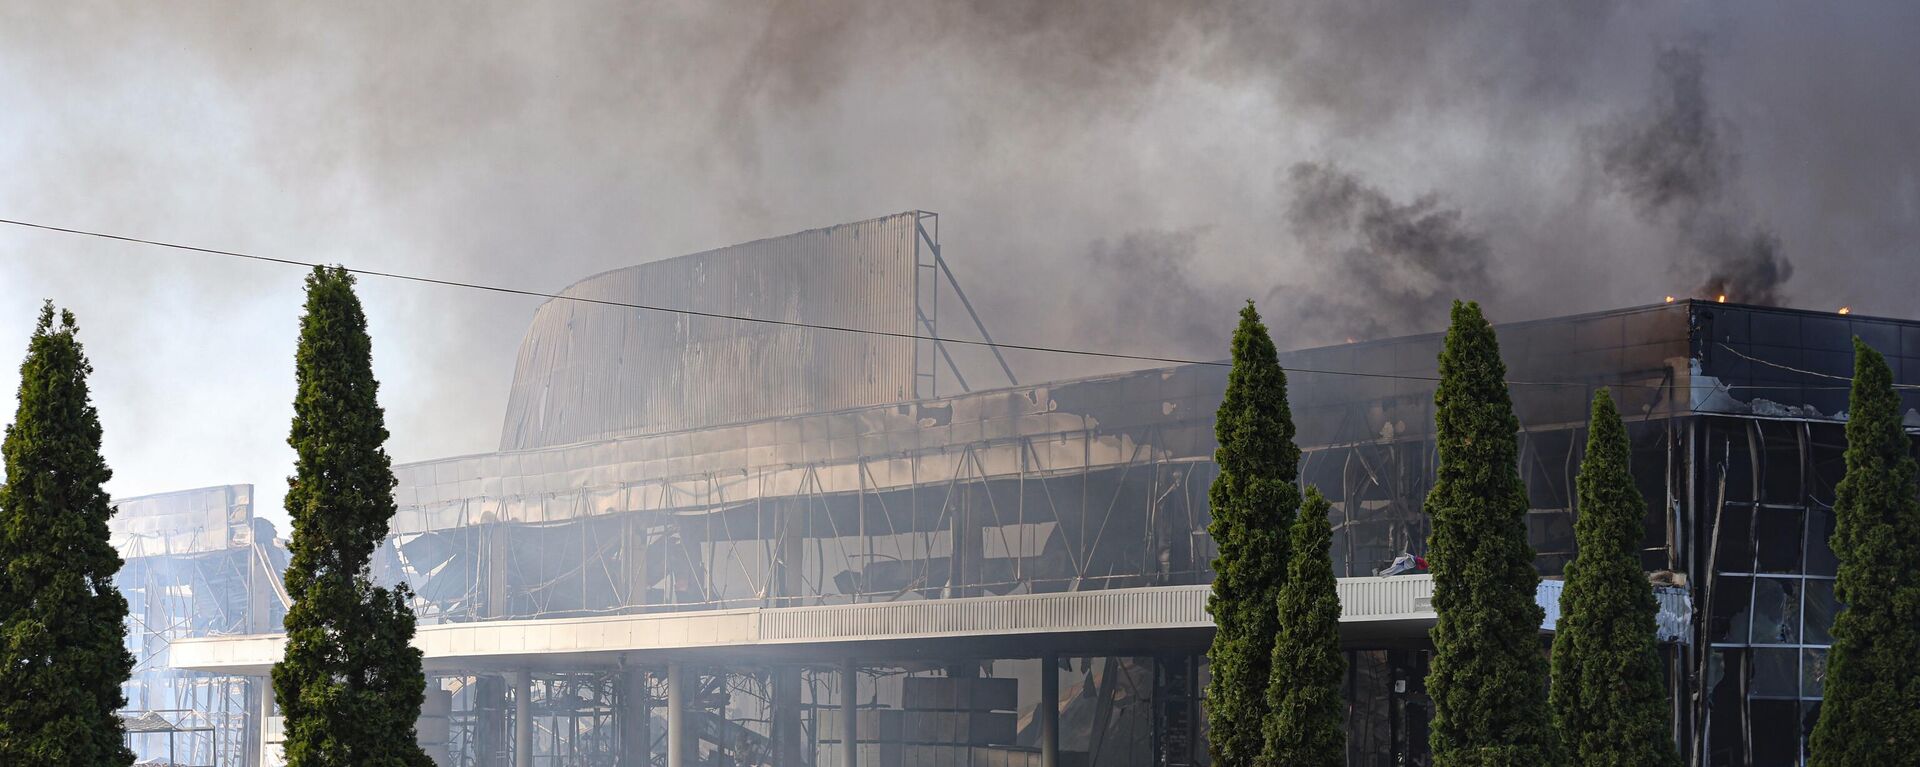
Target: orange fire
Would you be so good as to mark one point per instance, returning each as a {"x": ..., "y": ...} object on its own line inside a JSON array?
[
  {"x": 1669, "y": 299},
  {"x": 1723, "y": 298},
  {"x": 1846, "y": 310}
]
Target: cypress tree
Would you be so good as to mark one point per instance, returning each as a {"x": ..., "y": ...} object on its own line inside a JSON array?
[
  {"x": 1489, "y": 677},
  {"x": 1608, "y": 700},
  {"x": 350, "y": 684},
  {"x": 1253, "y": 502},
  {"x": 1871, "y": 714},
  {"x": 63, "y": 629},
  {"x": 1305, "y": 725}
]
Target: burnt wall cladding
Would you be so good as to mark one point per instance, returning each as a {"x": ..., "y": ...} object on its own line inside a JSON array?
[
  {"x": 589, "y": 371},
  {"x": 1148, "y": 398},
  {"x": 1796, "y": 357},
  {"x": 1631, "y": 346}
]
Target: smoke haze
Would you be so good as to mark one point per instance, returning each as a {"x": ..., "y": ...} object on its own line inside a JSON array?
[{"x": 1110, "y": 174}]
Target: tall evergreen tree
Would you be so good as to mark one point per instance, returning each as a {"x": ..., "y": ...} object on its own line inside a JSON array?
[
  {"x": 1608, "y": 697},
  {"x": 1306, "y": 714},
  {"x": 1871, "y": 714},
  {"x": 63, "y": 628},
  {"x": 1489, "y": 677},
  {"x": 1253, "y": 502},
  {"x": 350, "y": 684}
]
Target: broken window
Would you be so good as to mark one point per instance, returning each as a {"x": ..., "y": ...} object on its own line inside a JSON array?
[
  {"x": 1732, "y": 599},
  {"x": 1776, "y": 611}
]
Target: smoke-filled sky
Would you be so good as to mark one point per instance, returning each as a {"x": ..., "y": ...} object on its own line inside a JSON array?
[{"x": 1115, "y": 174}]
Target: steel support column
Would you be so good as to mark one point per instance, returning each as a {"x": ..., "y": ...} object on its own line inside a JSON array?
[
  {"x": 1049, "y": 710},
  {"x": 261, "y": 725},
  {"x": 250, "y": 737},
  {"x": 677, "y": 746},
  {"x": 635, "y": 741},
  {"x": 786, "y": 715},
  {"x": 523, "y": 719},
  {"x": 849, "y": 712}
]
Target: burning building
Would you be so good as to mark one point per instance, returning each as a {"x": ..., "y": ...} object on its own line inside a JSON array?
[{"x": 707, "y": 540}]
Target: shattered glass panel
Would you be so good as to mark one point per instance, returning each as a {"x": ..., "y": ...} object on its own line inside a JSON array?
[
  {"x": 1813, "y": 673},
  {"x": 1776, "y": 611}
]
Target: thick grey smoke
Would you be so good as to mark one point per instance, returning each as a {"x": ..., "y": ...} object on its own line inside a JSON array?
[
  {"x": 1672, "y": 161},
  {"x": 1393, "y": 268},
  {"x": 1109, "y": 174}
]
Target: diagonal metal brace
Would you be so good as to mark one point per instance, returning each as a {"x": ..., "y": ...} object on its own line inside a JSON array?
[
  {"x": 951, "y": 366},
  {"x": 968, "y": 305}
]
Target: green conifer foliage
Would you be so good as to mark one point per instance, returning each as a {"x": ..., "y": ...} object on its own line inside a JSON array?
[
  {"x": 1253, "y": 503},
  {"x": 350, "y": 684},
  {"x": 1609, "y": 699},
  {"x": 62, "y": 622},
  {"x": 1306, "y": 714},
  {"x": 1871, "y": 714},
  {"x": 1489, "y": 677}
]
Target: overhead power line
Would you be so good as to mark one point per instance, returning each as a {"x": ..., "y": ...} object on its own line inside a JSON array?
[
  {"x": 762, "y": 320},
  {"x": 609, "y": 302}
]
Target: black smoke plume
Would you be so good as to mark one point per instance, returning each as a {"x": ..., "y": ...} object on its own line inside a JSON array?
[
  {"x": 1392, "y": 267},
  {"x": 1672, "y": 161}
]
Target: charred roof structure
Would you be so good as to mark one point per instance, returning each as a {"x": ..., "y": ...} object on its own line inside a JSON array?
[{"x": 712, "y": 541}]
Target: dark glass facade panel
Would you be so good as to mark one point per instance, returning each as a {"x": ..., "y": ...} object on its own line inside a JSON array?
[
  {"x": 1549, "y": 460},
  {"x": 1821, "y": 608},
  {"x": 1776, "y": 611},
  {"x": 1734, "y": 553},
  {"x": 1793, "y": 353},
  {"x": 1782, "y": 465},
  {"x": 1820, "y": 556},
  {"x": 1828, "y": 464},
  {"x": 1778, "y": 537},
  {"x": 1776, "y": 673},
  {"x": 1776, "y": 733}
]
